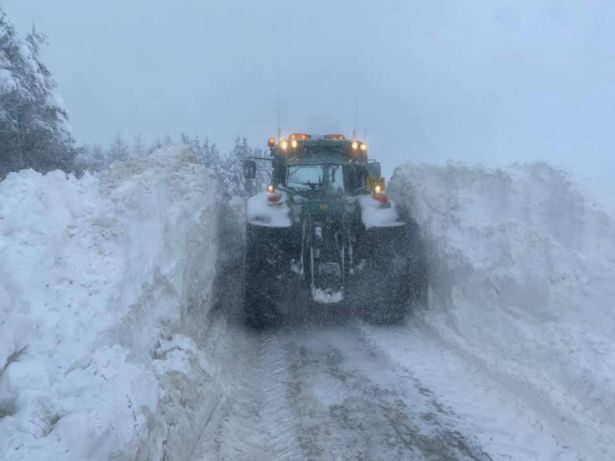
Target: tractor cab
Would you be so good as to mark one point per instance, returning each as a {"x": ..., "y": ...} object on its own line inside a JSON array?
[{"x": 320, "y": 165}]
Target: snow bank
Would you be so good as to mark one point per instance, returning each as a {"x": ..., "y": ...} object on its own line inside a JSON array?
[
  {"x": 522, "y": 275},
  {"x": 102, "y": 280}
]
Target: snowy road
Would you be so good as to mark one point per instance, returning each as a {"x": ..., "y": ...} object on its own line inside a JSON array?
[
  {"x": 339, "y": 391},
  {"x": 327, "y": 392},
  {"x": 337, "y": 388}
]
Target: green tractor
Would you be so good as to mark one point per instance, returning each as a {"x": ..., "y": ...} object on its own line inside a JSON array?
[{"x": 324, "y": 233}]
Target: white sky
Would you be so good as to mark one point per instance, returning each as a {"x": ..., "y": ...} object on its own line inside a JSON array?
[{"x": 488, "y": 81}]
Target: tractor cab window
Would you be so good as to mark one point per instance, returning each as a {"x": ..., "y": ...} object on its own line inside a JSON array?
[{"x": 329, "y": 178}]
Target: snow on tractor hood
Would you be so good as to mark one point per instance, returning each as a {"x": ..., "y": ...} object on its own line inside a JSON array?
[
  {"x": 261, "y": 212},
  {"x": 375, "y": 214}
]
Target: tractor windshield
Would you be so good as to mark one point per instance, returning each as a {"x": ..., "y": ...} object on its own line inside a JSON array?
[{"x": 328, "y": 178}]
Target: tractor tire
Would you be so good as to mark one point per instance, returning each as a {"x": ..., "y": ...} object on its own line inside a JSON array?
[
  {"x": 395, "y": 279},
  {"x": 263, "y": 265}
]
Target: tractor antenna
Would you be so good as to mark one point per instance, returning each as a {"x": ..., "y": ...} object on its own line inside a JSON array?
[
  {"x": 277, "y": 97},
  {"x": 356, "y": 112}
]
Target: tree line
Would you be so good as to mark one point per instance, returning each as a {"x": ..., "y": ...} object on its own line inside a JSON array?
[
  {"x": 35, "y": 131},
  {"x": 228, "y": 166}
]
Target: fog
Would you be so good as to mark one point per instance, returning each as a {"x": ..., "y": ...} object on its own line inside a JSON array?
[{"x": 491, "y": 82}]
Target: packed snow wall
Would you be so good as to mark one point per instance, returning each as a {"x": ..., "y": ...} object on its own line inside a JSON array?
[
  {"x": 104, "y": 283},
  {"x": 521, "y": 270}
]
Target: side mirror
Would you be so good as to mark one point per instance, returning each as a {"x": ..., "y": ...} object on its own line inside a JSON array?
[
  {"x": 249, "y": 169},
  {"x": 373, "y": 170}
]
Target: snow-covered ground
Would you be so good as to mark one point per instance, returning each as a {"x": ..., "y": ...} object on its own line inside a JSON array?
[
  {"x": 110, "y": 348},
  {"x": 522, "y": 268},
  {"x": 102, "y": 280}
]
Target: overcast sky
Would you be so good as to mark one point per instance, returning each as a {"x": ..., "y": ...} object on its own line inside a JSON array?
[{"x": 488, "y": 81}]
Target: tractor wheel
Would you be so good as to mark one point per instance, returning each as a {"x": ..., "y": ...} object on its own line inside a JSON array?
[
  {"x": 262, "y": 282},
  {"x": 395, "y": 278}
]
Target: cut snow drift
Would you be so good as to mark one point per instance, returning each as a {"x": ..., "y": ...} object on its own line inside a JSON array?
[
  {"x": 101, "y": 280},
  {"x": 522, "y": 271}
]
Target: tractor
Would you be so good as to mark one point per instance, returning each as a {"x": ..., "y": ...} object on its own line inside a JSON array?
[{"x": 324, "y": 234}]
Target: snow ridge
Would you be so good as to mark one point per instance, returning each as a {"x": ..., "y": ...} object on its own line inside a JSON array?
[
  {"x": 101, "y": 280},
  {"x": 521, "y": 272}
]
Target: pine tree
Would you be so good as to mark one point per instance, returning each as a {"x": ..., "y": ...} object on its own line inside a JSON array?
[
  {"x": 90, "y": 158},
  {"x": 229, "y": 168},
  {"x": 234, "y": 181},
  {"x": 33, "y": 126},
  {"x": 208, "y": 154},
  {"x": 138, "y": 146},
  {"x": 118, "y": 151},
  {"x": 212, "y": 157}
]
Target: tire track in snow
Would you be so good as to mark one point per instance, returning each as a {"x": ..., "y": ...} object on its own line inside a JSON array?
[
  {"x": 486, "y": 406},
  {"x": 254, "y": 422},
  {"x": 323, "y": 392},
  {"x": 356, "y": 404}
]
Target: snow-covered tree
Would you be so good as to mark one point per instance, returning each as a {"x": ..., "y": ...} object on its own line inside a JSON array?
[
  {"x": 211, "y": 156},
  {"x": 118, "y": 150},
  {"x": 229, "y": 168},
  {"x": 160, "y": 143},
  {"x": 91, "y": 158},
  {"x": 234, "y": 180},
  {"x": 34, "y": 129},
  {"x": 138, "y": 146},
  {"x": 206, "y": 152}
]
